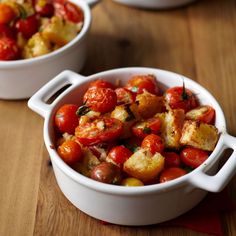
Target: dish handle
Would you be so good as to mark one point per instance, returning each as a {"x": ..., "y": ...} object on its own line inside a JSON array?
[
  {"x": 217, "y": 182},
  {"x": 65, "y": 80}
]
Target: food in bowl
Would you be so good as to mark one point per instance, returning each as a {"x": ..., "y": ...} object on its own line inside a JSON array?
[
  {"x": 135, "y": 134},
  {"x": 30, "y": 29},
  {"x": 149, "y": 204}
]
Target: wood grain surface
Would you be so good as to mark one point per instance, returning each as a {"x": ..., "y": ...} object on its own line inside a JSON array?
[{"x": 198, "y": 41}]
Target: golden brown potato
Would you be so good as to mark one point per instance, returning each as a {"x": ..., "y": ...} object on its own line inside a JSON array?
[
  {"x": 143, "y": 165},
  {"x": 128, "y": 115},
  {"x": 171, "y": 127},
  {"x": 87, "y": 164},
  {"x": 199, "y": 135},
  {"x": 149, "y": 104},
  {"x": 59, "y": 31}
]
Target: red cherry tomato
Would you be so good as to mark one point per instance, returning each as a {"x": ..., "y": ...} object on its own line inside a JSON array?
[
  {"x": 28, "y": 26},
  {"x": 44, "y": 8},
  {"x": 124, "y": 96},
  {"x": 99, "y": 130},
  {"x": 7, "y": 13},
  {"x": 143, "y": 128},
  {"x": 140, "y": 83},
  {"x": 100, "y": 83},
  {"x": 7, "y": 31},
  {"x": 68, "y": 11},
  {"x": 100, "y": 99},
  {"x": 8, "y": 49},
  {"x": 70, "y": 152},
  {"x": 154, "y": 143},
  {"x": 66, "y": 119},
  {"x": 193, "y": 157},
  {"x": 180, "y": 98},
  {"x": 172, "y": 159},
  {"x": 118, "y": 155},
  {"x": 171, "y": 173},
  {"x": 204, "y": 114}
]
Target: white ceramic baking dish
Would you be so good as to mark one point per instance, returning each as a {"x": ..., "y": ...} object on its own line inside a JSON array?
[
  {"x": 133, "y": 205},
  {"x": 22, "y": 78},
  {"x": 155, "y": 4}
]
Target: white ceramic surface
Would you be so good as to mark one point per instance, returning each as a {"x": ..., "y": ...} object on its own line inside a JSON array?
[
  {"x": 133, "y": 205},
  {"x": 155, "y": 4},
  {"x": 22, "y": 78}
]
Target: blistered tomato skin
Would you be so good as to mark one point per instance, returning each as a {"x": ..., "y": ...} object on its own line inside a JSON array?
[
  {"x": 102, "y": 129},
  {"x": 124, "y": 96},
  {"x": 153, "y": 143},
  {"x": 140, "y": 83},
  {"x": 180, "y": 98},
  {"x": 66, "y": 119},
  {"x": 99, "y": 83},
  {"x": 7, "y": 13},
  {"x": 100, "y": 99},
  {"x": 8, "y": 49},
  {"x": 107, "y": 173},
  {"x": 44, "y": 8}
]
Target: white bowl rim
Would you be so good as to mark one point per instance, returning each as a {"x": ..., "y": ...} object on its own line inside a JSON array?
[
  {"x": 86, "y": 24},
  {"x": 122, "y": 190}
]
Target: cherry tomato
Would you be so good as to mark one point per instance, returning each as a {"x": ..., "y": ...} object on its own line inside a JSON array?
[
  {"x": 7, "y": 13},
  {"x": 172, "y": 159},
  {"x": 44, "y": 8},
  {"x": 68, "y": 11},
  {"x": 107, "y": 173},
  {"x": 140, "y": 83},
  {"x": 66, "y": 119},
  {"x": 180, "y": 98},
  {"x": 143, "y": 128},
  {"x": 154, "y": 143},
  {"x": 8, "y": 49},
  {"x": 124, "y": 96},
  {"x": 193, "y": 157},
  {"x": 7, "y": 31},
  {"x": 100, "y": 99},
  {"x": 28, "y": 26},
  {"x": 118, "y": 155},
  {"x": 171, "y": 173},
  {"x": 131, "y": 182},
  {"x": 100, "y": 83},
  {"x": 70, "y": 152},
  {"x": 204, "y": 114},
  {"x": 99, "y": 130}
]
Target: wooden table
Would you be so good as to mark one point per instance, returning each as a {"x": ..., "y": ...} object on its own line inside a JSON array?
[{"x": 198, "y": 41}]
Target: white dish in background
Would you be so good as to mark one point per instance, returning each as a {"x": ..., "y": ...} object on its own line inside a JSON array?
[
  {"x": 155, "y": 4},
  {"x": 20, "y": 79},
  {"x": 144, "y": 205}
]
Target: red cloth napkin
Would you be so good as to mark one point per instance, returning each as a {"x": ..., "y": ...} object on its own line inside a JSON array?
[{"x": 205, "y": 217}]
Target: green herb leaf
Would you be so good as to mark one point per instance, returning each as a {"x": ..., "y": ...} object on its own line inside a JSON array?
[
  {"x": 147, "y": 130},
  {"x": 82, "y": 110}
]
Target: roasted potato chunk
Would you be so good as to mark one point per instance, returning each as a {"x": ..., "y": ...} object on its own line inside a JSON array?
[
  {"x": 171, "y": 127},
  {"x": 59, "y": 31},
  {"x": 128, "y": 115},
  {"x": 36, "y": 46},
  {"x": 87, "y": 164},
  {"x": 149, "y": 104},
  {"x": 199, "y": 135},
  {"x": 143, "y": 165}
]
